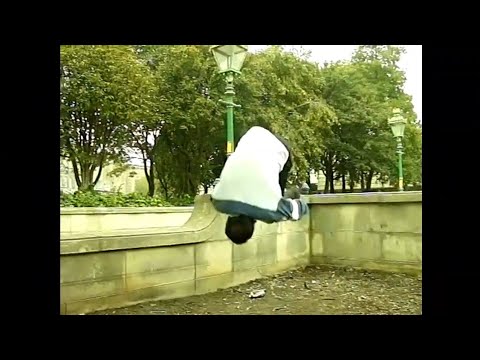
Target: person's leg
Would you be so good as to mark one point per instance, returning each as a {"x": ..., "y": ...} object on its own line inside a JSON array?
[{"x": 283, "y": 176}]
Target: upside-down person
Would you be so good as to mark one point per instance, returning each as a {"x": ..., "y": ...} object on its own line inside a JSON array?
[{"x": 252, "y": 185}]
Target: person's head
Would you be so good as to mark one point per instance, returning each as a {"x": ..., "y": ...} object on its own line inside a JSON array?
[{"x": 239, "y": 229}]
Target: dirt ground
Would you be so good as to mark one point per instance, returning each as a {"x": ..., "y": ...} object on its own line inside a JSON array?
[{"x": 314, "y": 290}]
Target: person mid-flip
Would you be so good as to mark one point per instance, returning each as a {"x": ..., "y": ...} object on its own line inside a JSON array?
[{"x": 252, "y": 185}]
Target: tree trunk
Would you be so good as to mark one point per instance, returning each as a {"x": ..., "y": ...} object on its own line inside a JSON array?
[
  {"x": 164, "y": 188},
  {"x": 162, "y": 180},
  {"x": 331, "y": 173},
  {"x": 205, "y": 189},
  {"x": 78, "y": 180},
  {"x": 151, "y": 180},
  {"x": 149, "y": 174},
  {"x": 84, "y": 177},
  {"x": 308, "y": 180},
  {"x": 192, "y": 188},
  {"x": 329, "y": 178},
  {"x": 369, "y": 180},
  {"x": 151, "y": 187},
  {"x": 325, "y": 188},
  {"x": 344, "y": 184},
  {"x": 332, "y": 182},
  {"x": 351, "y": 181},
  {"x": 100, "y": 168},
  {"x": 362, "y": 181}
]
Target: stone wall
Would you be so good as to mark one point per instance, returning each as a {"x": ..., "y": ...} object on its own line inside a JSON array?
[
  {"x": 117, "y": 267},
  {"x": 375, "y": 231}
]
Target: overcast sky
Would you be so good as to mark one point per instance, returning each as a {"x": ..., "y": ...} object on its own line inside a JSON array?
[{"x": 410, "y": 62}]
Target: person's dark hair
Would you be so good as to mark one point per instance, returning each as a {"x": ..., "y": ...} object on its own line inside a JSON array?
[{"x": 239, "y": 229}]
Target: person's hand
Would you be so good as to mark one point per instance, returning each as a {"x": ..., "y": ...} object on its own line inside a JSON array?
[{"x": 292, "y": 193}]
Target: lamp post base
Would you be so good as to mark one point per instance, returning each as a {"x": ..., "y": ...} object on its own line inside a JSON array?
[
  {"x": 400, "y": 163},
  {"x": 229, "y": 148}
]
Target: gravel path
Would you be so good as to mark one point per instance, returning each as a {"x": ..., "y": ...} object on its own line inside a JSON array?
[{"x": 309, "y": 291}]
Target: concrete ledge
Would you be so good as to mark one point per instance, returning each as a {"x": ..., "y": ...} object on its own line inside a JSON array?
[
  {"x": 195, "y": 230},
  {"x": 100, "y": 220},
  {"x": 124, "y": 210},
  {"x": 373, "y": 197}
]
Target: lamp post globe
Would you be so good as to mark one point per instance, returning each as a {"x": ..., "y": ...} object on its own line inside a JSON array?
[{"x": 229, "y": 59}]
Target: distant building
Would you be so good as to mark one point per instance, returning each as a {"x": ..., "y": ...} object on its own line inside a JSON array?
[
  {"x": 127, "y": 180},
  {"x": 124, "y": 182}
]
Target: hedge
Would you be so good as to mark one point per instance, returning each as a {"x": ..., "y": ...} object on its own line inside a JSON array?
[{"x": 96, "y": 199}]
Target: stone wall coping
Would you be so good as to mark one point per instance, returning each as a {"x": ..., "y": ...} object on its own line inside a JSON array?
[
  {"x": 370, "y": 197},
  {"x": 124, "y": 210},
  {"x": 198, "y": 227}
]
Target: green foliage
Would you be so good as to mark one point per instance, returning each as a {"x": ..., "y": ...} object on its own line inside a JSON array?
[
  {"x": 96, "y": 199},
  {"x": 164, "y": 102},
  {"x": 103, "y": 89},
  {"x": 119, "y": 169},
  {"x": 189, "y": 149},
  {"x": 363, "y": 93},
  {"x": 141, "y": 186},
  {"x": 282, "y": 91}
]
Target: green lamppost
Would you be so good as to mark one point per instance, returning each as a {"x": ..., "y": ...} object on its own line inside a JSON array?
[
  {"x": 229, "y": 60},
  {"x": 397, "y": 123}
]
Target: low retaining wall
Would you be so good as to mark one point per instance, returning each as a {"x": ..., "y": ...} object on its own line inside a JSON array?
[
  {"x": 85, "y": 220},
  {"x": 112, "y": 268},
  {"x": 380, "y": 231}
]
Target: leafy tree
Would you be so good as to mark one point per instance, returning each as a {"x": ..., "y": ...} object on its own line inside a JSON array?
[
  {"x": 363, "y": 93},
  {"x": 103, "y": 89},
  {"x": 282, "y": 91},
  {"x": 191, "y": 127}
]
